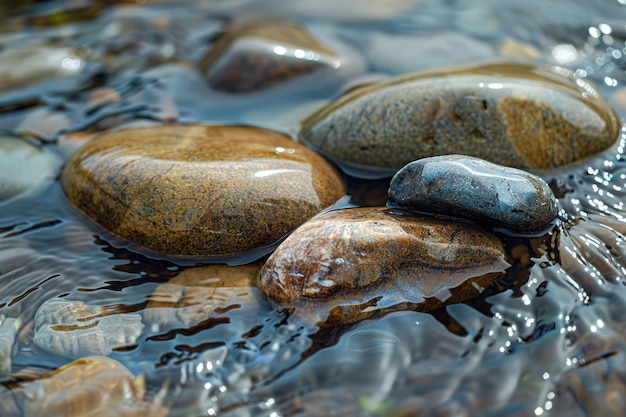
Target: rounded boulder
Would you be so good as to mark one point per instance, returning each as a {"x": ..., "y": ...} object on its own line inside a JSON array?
[
  {"x": 200, "y": 190},
  {"x": 516, "y": 115}
]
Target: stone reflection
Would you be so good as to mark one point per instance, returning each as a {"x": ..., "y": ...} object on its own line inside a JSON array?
[{"x": 202, "y": 293}]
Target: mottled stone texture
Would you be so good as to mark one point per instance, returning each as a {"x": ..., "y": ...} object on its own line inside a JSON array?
[
  {"x": 511, "y": 114},
  {"x": 350, "y": 264},
  {"x": 197, "y": 190},
  {"x": 464, "y": 186},
  {"x": 257, "y": 55}
]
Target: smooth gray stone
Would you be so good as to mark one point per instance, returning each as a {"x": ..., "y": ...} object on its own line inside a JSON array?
[{"x": 469, "y": 187}]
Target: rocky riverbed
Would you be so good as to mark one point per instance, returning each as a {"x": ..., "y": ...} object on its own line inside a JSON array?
[{"x": 260, "y": 208}]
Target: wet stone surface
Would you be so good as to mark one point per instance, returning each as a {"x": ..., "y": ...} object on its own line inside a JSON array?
[
  {"x": 90, "y": 386},
  {"x": 23, "y": 166},
  {"x": 208, "y": 191},
  {"x": 463, "y": 186},
  {"x": 510, "y": 114},
  {"x": 73, "y": 329},
  {"x": 258, "y": 55},
  {"x": 545, "y": 338},
  {"x": 369, "y": 259}
]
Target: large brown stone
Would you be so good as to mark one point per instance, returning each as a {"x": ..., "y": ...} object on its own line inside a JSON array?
[
  {"x": 510, "y": 114},
  {"x": 198, "y": 190},
  {"x": 350, "y": 264}
]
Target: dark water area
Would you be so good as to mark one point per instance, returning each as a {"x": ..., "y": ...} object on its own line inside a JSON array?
[{"x": 545, "y": 339}]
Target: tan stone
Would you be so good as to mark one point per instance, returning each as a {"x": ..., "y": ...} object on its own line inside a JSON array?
[
  {"x": 93, "y": 386},
  {"x": 351, "y": 264},
  {"x": 199, "y": 190}
]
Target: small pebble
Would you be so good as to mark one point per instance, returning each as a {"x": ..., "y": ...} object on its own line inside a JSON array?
[
  {"x": 73, "y": 328},
  {"x": 28, "y": 65},
  {"x": 463, "y": 186},
  {"x": 257, "y": 55}
]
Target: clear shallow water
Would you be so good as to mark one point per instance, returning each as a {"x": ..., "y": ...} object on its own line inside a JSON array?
[{"x": 546, "y": 339}]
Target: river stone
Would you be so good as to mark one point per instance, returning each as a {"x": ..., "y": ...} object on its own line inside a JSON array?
[
  {"x": 517, "y": 115},
  {"x": 7, "y": 337},
  {"x": 464, "y": 186},
  {"x": 198, "y": 190},
  {"x": 260, "y": 54},
  {"x": 30, "y": 64},
  {"x": 346, "y": 265},
  {"x": 73, "y": 328},
  {"x": 202, "y": 293},
  {"x": 23, "y": 166},
  {"x": 93, "y": 386}
]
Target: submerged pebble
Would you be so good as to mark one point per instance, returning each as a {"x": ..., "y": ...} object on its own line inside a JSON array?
[
  {"x": 73, "y": 328},
  {"x": 23, "y": 166},
  {"x": 199, "y": 190},
  {"x": 464, "y": 186},
  {"x": 202, "y": 293},
  {"x": 94, "y": 386},
  {"x": 510, "y": 114},
  {"x": 258, "y": 55},
  {"x": 350, "y": 263},
  {"x": 7, "y": 337}
]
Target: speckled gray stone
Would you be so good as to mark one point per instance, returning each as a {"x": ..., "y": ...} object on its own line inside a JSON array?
[
  {"x": 517, "y": 115},
  {"x": 464, "y": 186}
]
